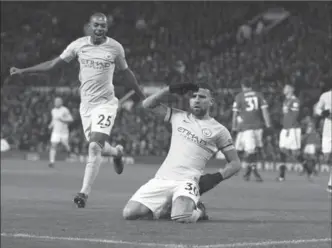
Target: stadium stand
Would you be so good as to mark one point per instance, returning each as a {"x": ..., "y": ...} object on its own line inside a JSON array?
[{"x": 165, "y": 42}]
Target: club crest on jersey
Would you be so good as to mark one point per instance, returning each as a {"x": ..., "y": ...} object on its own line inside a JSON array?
[
  {"x": 109, "y": 58},
  {"x": 207, "y": 132}
]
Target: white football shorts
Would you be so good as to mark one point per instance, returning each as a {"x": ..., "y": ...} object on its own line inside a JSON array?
[
  {"x": 249, "y": 140},
  {"x": 290, "y": 139},
  {"x": 59, "y": 137},
  {"x": 309, "y": 149},
  {"x": 157, "y": 193},
  {"x": 98, "y": 119}
]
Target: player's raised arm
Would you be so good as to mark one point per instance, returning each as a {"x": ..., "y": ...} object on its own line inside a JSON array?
[
  {"x": 128, "y": 75},
  {"x": 154, "y": 102},
  {"x": 43, "y": 67},
  {"x": 68, "y": 54},
  {"x": 225, "y": 145}
]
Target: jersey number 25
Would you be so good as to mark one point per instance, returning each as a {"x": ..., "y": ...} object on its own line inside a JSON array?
[{"x": 103, "y": 121}]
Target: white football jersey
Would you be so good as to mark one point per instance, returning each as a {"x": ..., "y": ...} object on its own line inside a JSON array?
[
  {"x": 193, "y": 144},
  {"x": 97, "y": 64},
  {"x": 58, "y": 125},
  {"x": 324, "y": 103}
]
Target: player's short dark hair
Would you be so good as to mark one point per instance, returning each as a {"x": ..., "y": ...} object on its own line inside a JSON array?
[
  {"x": 246, "y": 83},
  {"x": 98, "y": 14},
  {"x": 207, "y": 86}
]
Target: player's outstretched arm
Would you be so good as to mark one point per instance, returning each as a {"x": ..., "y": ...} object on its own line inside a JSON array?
[
  {"x": 128, "y": 75},
  {"x": 153, "y": 102},
  {"x": 130, "y": 78},
  {"x": 43, "y": 67}
]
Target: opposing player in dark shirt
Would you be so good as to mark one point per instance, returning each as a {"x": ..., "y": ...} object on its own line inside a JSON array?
[
  {"x": 290, "y": 135},
  {"x": 250, "y": 116}
]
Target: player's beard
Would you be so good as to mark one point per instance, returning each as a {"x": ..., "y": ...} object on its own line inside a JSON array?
[{"x": 199, "y": 112}]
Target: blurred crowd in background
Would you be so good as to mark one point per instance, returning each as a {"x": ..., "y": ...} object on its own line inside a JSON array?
[{"x": 165, "y": 42}]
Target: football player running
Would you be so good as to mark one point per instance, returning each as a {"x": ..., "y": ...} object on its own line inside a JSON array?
[
  {"x": 61, "y": 118},
  {"x": 97, "y": 55},
  {"x": 196, "y": 137}
]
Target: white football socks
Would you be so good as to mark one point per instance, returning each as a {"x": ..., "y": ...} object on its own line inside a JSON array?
[
  {"x": 52, "y": 154},
  {"x": 330, "y": 180},
  {"x": 92, "y": 167}
]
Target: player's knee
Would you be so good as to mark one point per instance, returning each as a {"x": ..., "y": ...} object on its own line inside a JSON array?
[
  {"x": 99, "y": 138},
  {"x": 128, "y": 213},
  {"x": 134, "y": 210},
  {"x": 53, "y": 145},
  {"x": 95, "y": 147},
  {"x": 182, "y": 209},
  {"x": 250, "y": 156}
]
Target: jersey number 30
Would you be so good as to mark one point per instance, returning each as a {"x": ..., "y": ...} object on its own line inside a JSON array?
[
  {"x": 251, "y": 103},
  {"x": 192, "y": 189},
  {"x": 103, "y": 121}
]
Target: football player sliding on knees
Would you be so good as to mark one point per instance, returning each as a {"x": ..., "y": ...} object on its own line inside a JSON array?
[
  {"x": 175, "y": 189},
  {"x": 98, "y": 55}
]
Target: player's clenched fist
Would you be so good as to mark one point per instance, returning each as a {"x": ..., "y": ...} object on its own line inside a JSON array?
[
  {"x": 15, "y": 70},
  {"x": 183, "y": 88}
]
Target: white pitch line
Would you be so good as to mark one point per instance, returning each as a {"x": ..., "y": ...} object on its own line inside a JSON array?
[
  {"x": 266, "y": 243},
  {"x": 100, "y": 241},
  {"x": 110, "y": 241}
]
